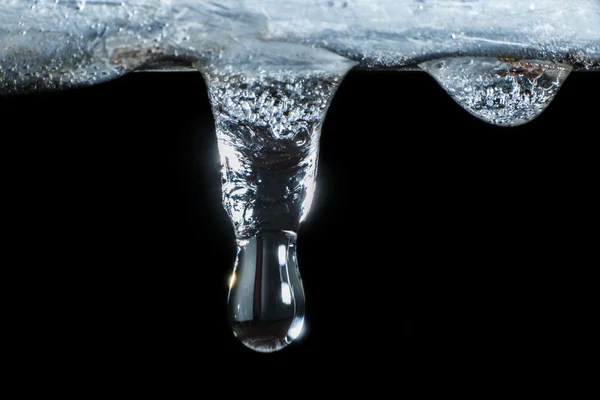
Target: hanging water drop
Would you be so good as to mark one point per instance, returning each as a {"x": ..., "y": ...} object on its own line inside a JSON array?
[
  {"x": 500, "y": 91},
  {"x": 266, "y": 297},
  {"x": 268, "y": 122}
]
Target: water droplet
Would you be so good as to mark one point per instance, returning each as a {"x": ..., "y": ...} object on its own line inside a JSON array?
[
  {"x": 500, "y": 91},
  {"x": 266, "y": 298}
]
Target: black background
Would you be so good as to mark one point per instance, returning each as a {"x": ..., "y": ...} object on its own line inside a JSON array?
[{"x": 429, "y": 228}]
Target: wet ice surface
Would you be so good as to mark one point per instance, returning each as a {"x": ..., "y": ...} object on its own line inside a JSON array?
[
  {"x": 56, "y": 44},
  {"x": 499, "y": 91}
]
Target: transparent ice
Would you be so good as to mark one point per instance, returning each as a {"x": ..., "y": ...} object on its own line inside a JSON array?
[
  {"x": 268, "y": 122},
  {"x": 57, "y": 44},
  {"x": 500, "y": 91}
]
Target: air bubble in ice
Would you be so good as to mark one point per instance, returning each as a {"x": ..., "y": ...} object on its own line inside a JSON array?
[{"x": 500, "y": 91}]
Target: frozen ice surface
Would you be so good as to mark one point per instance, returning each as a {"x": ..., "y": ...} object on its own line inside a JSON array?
[{"x": 53, "y": 44}]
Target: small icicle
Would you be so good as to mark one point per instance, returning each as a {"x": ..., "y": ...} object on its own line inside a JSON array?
[
  {"x": 500, "y": 91},
  {"x": 268, "y": 124}
]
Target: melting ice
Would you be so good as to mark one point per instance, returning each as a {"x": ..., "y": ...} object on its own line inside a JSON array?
[
  {"x": 500, "y": 91},
  {"x": 268, "y": 119}
]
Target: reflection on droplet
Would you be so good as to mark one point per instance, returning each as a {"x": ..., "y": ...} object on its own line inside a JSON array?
[
  {"x": 266, "y": 300},
  {"x": 232, "y": 280},
  {"x": 286, "y": 294},
  {"x": 282, "y": 255},
  {"x": 500, "y": 91}
]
